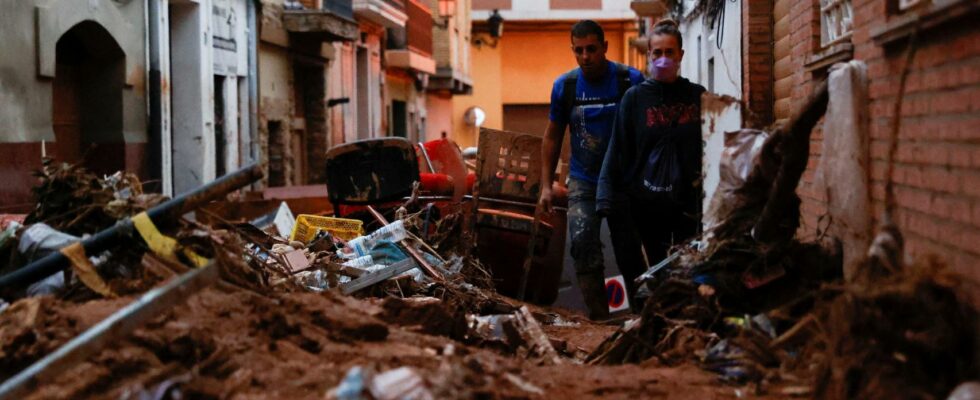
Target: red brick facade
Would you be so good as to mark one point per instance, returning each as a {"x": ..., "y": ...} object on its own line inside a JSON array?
[
  {"x": 937, "y": 167},
  {"x": 757, "y": 76}
]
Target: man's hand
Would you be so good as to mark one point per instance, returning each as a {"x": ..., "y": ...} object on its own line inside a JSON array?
[{"x": 544, "y": 200}]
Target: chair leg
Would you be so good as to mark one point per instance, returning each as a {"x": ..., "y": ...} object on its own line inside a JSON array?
[{"x": 531, "y": 246}]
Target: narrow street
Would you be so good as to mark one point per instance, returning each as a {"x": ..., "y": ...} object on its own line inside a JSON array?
[{"x": 490, "y": 199}]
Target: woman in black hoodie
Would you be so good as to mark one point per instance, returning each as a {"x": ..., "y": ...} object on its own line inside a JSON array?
[{"x": 653, "y": 162}]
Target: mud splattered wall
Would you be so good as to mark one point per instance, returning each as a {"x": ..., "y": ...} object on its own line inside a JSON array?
[{"x": 31, "y": 30}]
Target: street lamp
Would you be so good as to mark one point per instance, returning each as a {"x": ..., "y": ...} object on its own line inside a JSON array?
[{"x": 447, "y": 9}]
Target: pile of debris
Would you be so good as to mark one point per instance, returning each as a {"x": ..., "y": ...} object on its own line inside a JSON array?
[
  {"x": 756, "y": 305},
  {"x": 230, "y": 309},
  {"x": 112, "y": 292}
]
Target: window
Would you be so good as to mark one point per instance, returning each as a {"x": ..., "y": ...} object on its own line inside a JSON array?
[{"x": 835, "y": 22}]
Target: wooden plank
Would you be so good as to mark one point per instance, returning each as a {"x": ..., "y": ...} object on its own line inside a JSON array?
[
  {"x": 116, "y": 326},
  {"x": 535, "y": 337}
]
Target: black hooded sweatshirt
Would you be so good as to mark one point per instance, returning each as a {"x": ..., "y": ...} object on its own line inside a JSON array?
[{"x": 654, "y": 153}]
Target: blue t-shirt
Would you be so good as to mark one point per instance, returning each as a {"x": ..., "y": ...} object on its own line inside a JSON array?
[{"x": 590, "y": 121}]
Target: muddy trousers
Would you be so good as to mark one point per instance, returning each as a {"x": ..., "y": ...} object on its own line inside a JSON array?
[{"x": 584, "y": 226}]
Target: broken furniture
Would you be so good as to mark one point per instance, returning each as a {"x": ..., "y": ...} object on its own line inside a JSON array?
[
  {"x": 510, "y": 236},
  {"x": 444, "y": 160},
  {"x": 162, "y": 214},
  {"x": 370, "y": 172}
]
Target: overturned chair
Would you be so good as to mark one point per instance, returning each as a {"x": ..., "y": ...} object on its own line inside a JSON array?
[{"x": 510, "y": 235}]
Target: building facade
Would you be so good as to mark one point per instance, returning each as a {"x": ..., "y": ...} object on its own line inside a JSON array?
[
  {"x": 202, "y": 88},
  {"x": 513, "y": 74},
  {"x": 184, "y": 91},
  {"x": 300, "y": 58},
  {"x": 937, "y": 175},
  {"x": 72, "y": 86},
  {"x": 451, "y": 34},
  {"x": 160, "y": 88}
]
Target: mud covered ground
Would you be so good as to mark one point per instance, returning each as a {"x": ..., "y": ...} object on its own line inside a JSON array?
[{"x": 231, "y": 343}]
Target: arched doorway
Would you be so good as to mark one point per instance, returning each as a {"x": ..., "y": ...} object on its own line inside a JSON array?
[{"x": 87, "y": 110}]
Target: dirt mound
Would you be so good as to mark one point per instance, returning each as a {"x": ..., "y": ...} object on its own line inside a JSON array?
[
  {"x": 909, "y": 335},
  {"x": 33, "y": 327}
]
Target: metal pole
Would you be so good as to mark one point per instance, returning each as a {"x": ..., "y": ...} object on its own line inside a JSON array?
[
  {"x": 425, "y": 154},
  {"x": 162, "y": 214},
  {"x": 116, "y": 326}
]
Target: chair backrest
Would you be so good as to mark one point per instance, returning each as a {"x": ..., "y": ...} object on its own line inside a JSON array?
[
  {"x": 447, "y": 159},
  {"x": 371, "y": 171},
  {"x": 508, "y": 165}
]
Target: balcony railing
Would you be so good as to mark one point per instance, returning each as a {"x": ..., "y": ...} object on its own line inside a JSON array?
[
  {"x": 387, "y": 13},
  {"x": 419, "y": 27}
]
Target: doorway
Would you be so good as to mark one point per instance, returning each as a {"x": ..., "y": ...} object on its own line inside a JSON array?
[
  {"x": 399, "y": 119},
  {"x": 86, "y": 109}
]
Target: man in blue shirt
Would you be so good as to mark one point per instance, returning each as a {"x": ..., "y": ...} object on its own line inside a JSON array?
[{"x": 585, "y": 100}]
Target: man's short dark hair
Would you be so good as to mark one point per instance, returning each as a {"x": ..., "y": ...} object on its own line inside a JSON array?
[{"x": 588, "y": 27}]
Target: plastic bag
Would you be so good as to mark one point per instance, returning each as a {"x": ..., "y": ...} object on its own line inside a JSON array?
[{"x": 739, "y": 157}]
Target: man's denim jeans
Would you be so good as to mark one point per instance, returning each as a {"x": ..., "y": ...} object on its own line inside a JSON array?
[{"x": 583, "y": 232}]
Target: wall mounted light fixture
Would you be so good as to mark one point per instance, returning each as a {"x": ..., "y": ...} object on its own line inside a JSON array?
[
  {"x": 447, "y": 9},
  {"x": 495, "y": 30}
]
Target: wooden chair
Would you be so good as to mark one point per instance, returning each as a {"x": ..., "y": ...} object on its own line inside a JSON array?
[{"x": 508, "y": 169}]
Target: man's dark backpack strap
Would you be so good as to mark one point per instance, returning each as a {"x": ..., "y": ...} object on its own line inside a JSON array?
[
  {"x": 623, "y": 79},
  {"x": 571, "y": 80},
  {"x": 568, "y": 92}
]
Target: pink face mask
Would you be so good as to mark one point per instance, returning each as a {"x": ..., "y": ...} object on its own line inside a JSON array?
[{"x": 663, "y": 69}]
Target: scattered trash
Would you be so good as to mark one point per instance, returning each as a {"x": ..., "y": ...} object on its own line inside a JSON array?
[
  {"x": 352, "y": 387},
  {"x": 397, "y": 384},
  {"x": 284, "y": 220},
  {"x": 524, "y": 385},
  {"x": 308, "y": 227},
  {"x": 296, "y": 260},
  {"x": 752, "y": 307},
  {"x": 362, "y": 245}
]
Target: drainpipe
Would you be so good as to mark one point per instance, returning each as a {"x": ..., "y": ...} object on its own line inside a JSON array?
[
  {"x": 253, "y": 82},
  {"x": 154, "y": 157}
]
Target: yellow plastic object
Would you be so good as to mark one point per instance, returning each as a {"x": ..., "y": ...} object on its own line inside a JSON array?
[{"x": 306, "y": 226}]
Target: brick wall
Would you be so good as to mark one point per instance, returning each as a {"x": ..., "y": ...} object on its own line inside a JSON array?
[
  {"x": 937, "y": 170},
  {"x": 804, "y": 39},
  {"x": 757, "y": 76}
]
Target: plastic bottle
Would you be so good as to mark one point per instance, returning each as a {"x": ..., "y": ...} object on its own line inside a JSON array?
[{"x": 361, "y": 246}]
